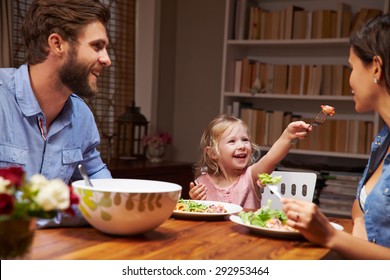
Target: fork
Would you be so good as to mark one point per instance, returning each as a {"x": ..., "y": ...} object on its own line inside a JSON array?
[
  {"x": 317, "y": 121},
  {"x": 275, "y": 190}
]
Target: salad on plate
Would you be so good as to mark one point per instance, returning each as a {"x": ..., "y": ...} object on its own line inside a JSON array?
[{"x": 266, "y": 217}]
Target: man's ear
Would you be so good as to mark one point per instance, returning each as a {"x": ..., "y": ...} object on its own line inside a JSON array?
[{"x": 56, "y": 43}]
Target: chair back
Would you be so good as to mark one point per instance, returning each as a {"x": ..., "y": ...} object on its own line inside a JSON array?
[{"x": 298, "y": 185}]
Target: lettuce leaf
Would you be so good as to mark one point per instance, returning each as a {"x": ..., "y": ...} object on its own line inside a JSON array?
[
  {"x": 267, "y": 179},
  {"x": 261, "y": 216}
]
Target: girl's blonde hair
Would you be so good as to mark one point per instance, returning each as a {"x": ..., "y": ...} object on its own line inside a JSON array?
[{"x": 210, "y": 139}]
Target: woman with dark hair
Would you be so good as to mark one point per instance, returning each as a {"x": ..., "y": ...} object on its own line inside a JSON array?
[{"x": 369, "y": 59}]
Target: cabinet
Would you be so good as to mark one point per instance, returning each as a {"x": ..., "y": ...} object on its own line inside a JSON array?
[
  {"x": 346, "y": 125},
  {"x": 175, "y": 172}
]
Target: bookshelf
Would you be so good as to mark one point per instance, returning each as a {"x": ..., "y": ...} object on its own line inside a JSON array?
[{"x": 271, "y": 39}]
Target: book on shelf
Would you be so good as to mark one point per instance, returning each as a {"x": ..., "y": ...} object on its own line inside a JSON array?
[
  {"x": 342, "y": 183},
  {"x": 361, "y": 17},
  {"x": 324, "y": 24},
  {"x": 337, "y": 189},
  {"x": 253, "y": 22},
  {"x": 246, "y": 75},
  {"x": 344, "y": 19},
  {"x": 315, "y": 80},
  {"x": 336, "y": 199},
  {"x": 280, "y": 78},
  {"x": 290, "y": 18},
  {"x": 291, "y": 79},
  {"x": 294, "y": 79},
  {"x": 346, "y": 88},
  {"x": 341, "y": 175},
  {"x": 337, "y": 196},
  {"x": 335, "y": 207},
  {"x": 275, "y": 126},
  {"x": 241, "y": 19},
  {"x": 237, "y": 75},
  {"x": 299, "y": 25},
  {"x": 327, "y": 81}
]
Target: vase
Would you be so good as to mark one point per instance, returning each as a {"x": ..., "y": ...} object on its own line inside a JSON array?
[
  {"x": 16, "y": 236},
  {"x": 155, "y": 154}
]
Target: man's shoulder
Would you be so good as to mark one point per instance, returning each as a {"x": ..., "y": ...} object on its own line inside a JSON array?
[
  {"x": 78, "y": 101},
  {"x": 80, "y": 108},
  {"x": 6, "y": 74}
]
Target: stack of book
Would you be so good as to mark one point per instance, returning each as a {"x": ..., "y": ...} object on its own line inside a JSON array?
[
  {"x": 253, "y": 22},
  {"x": 290, "y": 78},
  {"x": 337, "y": 196}
]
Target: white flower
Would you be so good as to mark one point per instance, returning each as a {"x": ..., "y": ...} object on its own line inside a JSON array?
[
  {"x": 53, "y": 195},
  {"x": 3, "y": 185},
  {"x": 38, "y": 181}
]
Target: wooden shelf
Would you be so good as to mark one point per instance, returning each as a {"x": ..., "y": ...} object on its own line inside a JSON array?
[{"x": 312, "y": 51}]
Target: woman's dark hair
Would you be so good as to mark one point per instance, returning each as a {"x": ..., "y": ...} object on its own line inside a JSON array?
[
  {"x": 68, "y": 18},
  {"x": 373, "y": 39}
]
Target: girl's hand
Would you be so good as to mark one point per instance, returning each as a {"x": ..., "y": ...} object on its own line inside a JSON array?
[
  {"x": 298, "y": 129},
  {"x": 259, "y": 184},
  {"x": 197, "y": 192}
]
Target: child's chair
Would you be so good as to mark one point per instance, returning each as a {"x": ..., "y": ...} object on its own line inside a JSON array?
[{"x": 299, "y": 185}]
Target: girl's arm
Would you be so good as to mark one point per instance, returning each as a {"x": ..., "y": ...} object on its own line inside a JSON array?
[{"x": 280, "y": 148}]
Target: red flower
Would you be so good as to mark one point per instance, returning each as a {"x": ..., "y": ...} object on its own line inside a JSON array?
[
  {"x": 6, "y": 204},
  {"x": 73, "y": 199},
  {"x": 15, "y": 174}
]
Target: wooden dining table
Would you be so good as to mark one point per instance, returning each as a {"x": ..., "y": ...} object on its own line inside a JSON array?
[{"x": 178, "y": 239}]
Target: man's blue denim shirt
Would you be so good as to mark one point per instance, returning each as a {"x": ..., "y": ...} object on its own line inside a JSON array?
[
  {"x": 24, "y": 141},
  {"x": 377, "y": 206}
]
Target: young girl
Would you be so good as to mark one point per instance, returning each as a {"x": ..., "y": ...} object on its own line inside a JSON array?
[{"x": 228, "y": 156}]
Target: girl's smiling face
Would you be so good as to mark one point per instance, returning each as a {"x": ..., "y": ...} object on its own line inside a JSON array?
[{"x": 234, "y": 149}]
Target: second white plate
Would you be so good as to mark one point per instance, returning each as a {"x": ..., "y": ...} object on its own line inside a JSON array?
[
  {"x": 274, "y": 232},
  {"x": 230, "y": 209}
]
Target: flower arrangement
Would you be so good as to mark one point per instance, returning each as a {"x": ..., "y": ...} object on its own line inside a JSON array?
[
  {"x": 157, "y": 140},
  {"x": 37, "y": 197}
]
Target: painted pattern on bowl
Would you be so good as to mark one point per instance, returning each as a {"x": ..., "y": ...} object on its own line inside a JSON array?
[{"x": 128, "y": 212}]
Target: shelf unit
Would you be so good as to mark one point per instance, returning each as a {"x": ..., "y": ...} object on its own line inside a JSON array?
[{"x": 333, "y": 51}]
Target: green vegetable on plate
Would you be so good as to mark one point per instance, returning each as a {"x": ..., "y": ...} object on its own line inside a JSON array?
[{"x": 261, "y": 216}]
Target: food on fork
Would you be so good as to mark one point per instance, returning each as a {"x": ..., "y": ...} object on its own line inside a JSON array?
[
  {"x": 329, "y": 110},
  {"x": 267, "y": 179}
]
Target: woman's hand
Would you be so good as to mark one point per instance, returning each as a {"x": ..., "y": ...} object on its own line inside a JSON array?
[
  {"x": 309, "y": 220},
  {"x": 197, "y": 192}
]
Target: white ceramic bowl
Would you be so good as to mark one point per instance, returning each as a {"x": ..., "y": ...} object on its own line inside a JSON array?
[{"x": 126, "y": 206}]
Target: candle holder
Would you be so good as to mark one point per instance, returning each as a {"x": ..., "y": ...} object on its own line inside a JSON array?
[{"x": 132, "y": 127}]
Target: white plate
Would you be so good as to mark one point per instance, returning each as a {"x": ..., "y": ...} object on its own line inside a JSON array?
[
  {"x": 274, "y": 232},
  {"x": 230, "y": 209}
]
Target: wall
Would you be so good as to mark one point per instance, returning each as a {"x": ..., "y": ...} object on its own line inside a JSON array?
[
  {"x": 147, "y": 53},
  {"x": 197, "y": 80}
]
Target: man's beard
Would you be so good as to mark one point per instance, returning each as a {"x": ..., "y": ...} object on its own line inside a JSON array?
[{"x": 74, "y": 75}]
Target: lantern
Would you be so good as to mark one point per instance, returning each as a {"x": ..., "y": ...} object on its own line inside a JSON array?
[{"x": 132, "y": 127}]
